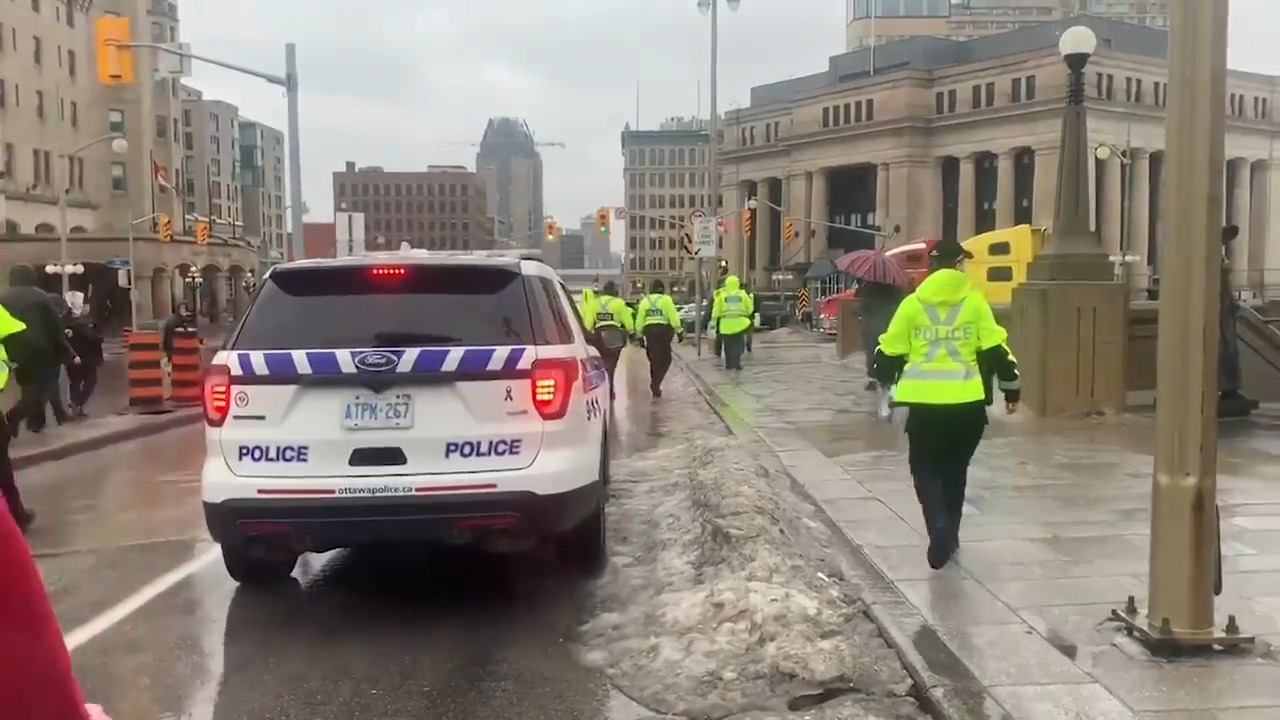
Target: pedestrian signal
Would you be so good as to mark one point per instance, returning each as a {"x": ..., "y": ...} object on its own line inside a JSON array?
[
  {"x": 602, "y": 220},
  {"x": 788, "y": 231},
  {"x": 166, "y": 228},
  {"x": 115, "y": 60},
  {"x": 748, "y": 223},
  {"x": 202, "y": 233}
]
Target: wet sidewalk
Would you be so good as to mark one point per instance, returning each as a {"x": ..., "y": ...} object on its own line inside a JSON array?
[{"x": 1055, "y": 536}]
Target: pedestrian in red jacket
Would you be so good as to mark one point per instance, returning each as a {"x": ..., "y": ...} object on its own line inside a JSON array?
[{"x": 36, "y": 682}]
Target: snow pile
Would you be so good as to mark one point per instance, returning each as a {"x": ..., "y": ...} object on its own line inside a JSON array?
[{"x": 725, "y": 595}]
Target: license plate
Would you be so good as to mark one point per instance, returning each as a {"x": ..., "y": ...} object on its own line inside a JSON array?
[{"x": 378, "y": 412}]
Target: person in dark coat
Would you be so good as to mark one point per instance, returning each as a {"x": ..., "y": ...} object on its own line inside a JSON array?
[
  {"x": 38, "y": 353},
  {"x": 878, "y": 302},
  {"x": 86, "y": 341},
  {"x": 182, "y": 319}
]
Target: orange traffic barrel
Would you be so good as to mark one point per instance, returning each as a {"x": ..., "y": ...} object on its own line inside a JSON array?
[
  {"x": 185, "y": 379},
  {"x": 145, "y": 372}
]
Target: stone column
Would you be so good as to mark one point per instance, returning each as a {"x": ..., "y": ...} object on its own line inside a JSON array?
[
  {"x": 1241, "y": 196},
  {"x": 220, "y": 294},
  {"x": 1258, "y": 256},
  {"x": 1140, "y": 216},
  {"x": 912, "y": 201},
  {"x": 1112, "y": 204},
  {"x": 766, "y": 232},
  {"x": 143, "y": 298},
  {"x": 1005, "y": 195},
  {"x": 1271, "y": 273},
  {"x": 882, "y": 197},
  {"x": 803, "y": 208},
  {"x": 966, "y": 207},
  {"x": 819, "y": 210},
  {"x": 1092, "y": 169},
  {"x": 793, "y": 200},
  {"x": 1044, "y": 193}
]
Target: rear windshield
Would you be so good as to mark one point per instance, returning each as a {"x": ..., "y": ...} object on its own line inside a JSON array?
[{"x": 352, "y": 307}]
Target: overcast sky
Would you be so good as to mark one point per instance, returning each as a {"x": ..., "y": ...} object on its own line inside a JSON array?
[{"x": 404, "y": 83}]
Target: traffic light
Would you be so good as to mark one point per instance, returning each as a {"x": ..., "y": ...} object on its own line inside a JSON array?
[
  {"x": 748, "y": 223},
  {"x": 202, "y": 233},
  {"x": 115, "y": 61},
  {"x": 602, "y": 220},
  {"x": 550, "y": 229},
  {"x": 166, "y": 228},
  {"x": 788, "y": 231}
]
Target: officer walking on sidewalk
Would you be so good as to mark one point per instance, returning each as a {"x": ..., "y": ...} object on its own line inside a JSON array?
[
  {"x": 613, "y": 325},
  {"x": 658, "y": 321},
  {"x": 938, "y": 354},
  {"x": 731, "y": 314}
]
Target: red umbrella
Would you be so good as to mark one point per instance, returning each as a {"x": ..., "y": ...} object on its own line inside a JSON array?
[{"x": 872, "y": 266}]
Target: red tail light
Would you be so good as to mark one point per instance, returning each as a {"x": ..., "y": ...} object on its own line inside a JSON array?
[
  {"x": 553, "y": 381},
  {"x": 217, "y": 395},
  {"x": 389, "y": 272}
]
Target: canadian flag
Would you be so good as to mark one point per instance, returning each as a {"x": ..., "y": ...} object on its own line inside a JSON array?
[{"x": 161, "y": 177}]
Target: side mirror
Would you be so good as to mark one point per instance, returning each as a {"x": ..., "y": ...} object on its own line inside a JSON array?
[
  {"x": 896, "y": 229},
  {"x": 1229, "y": 233}
]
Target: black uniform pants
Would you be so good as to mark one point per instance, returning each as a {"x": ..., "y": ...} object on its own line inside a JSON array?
[
  {"x": 8, "y": 484},
  {"x": 939, "y": 457},
  {"x": 657, "y": 345}
]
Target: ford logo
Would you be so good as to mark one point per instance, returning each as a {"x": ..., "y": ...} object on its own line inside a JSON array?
[{"x": 376, "y": 360}]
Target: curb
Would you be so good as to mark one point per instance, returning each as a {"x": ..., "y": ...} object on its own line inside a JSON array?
[
  {"x": 162, "y": 423},
  {"x": 946, "y": 687}
]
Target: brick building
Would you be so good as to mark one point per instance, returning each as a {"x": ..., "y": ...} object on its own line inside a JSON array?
[{"x": 441, "y": 208}]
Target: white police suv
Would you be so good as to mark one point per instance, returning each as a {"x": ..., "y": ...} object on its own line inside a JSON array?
[{"x": 400, "y": 397}]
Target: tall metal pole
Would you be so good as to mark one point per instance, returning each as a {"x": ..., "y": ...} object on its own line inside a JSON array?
[
  {"x": 133, "y": 280},
  {"x": 1184, "y": 489},
  {"x": 295, "y": 149},
  {"x": 63, "y": 174},
  {"x": 713, "y": 182},
  {"x": 1184, "y": 554}
]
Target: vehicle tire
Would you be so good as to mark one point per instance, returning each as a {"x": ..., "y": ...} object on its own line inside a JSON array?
[
  {"x": 248, "y": 568},
  {"x": 586, "y": 547}
]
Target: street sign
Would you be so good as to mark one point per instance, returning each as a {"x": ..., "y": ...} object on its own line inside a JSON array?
[
  {"x": 118, "y": 263},
  {"x": 696, "y": 215},
  {"x": 704, "y": 237},
  {"x": 620, "y": 214},
  {"x": 686, "y": 242}
]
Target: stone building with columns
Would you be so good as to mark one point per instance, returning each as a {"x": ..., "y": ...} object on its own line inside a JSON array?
[{"x": 950, "y": 138}]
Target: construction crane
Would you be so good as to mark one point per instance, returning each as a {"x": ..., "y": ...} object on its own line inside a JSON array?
[{"x": 536, "y": 144}]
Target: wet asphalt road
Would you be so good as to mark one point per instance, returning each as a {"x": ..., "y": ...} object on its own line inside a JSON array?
[{"x": 402, "y": 635}]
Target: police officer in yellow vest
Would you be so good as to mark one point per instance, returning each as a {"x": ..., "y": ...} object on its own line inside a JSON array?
[
  {"x": 9, "y": 326},
  {"x": 587, "y": 309},
  {"x": 731, "y": 315},
  {"x": 658, "y": 321},
  {"x": 938, "y": 354},
  {"x": 613, "y": 326}
]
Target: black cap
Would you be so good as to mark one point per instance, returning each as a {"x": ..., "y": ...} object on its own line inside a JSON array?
[{"x": 948, "y": 251}]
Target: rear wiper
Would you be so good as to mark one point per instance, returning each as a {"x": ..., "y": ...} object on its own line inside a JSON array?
[{"x": 403, "y": 338}]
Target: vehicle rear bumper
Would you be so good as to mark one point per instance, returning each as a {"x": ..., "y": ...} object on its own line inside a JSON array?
[{"x": 321, "y": 524}]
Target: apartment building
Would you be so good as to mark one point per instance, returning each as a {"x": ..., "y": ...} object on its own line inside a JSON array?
[
  {"x": 509, "y": 162},
  {"x": 262, "y": 188},
  {"x": 210, "y": 163},
  {"x": 47, "y": 87},
  {"x": 665, "y": 175},
  {"x": 149, "y": 116},
  {"x": 869, "y": 22},
  {"x": 444, "y": 207}
]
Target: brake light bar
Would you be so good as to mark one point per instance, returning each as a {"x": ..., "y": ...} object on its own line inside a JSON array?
[
  {"x": 388, "y": 272},
  {"x": 217, "y": 395},
  {"x": 552, "y": 386}
]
